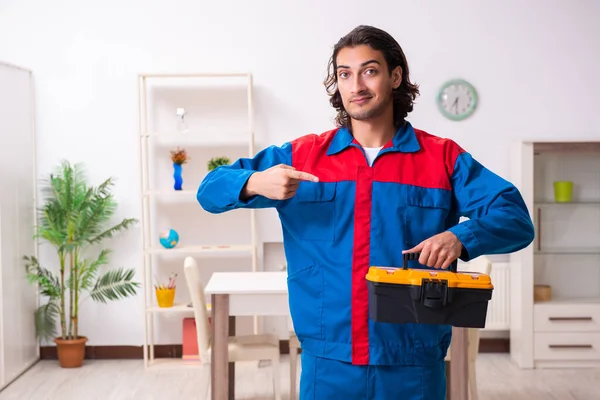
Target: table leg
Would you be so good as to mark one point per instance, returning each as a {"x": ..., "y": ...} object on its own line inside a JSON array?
[
  {"x": 459, "y": 364},
  {"x": 231, "y": 364},
  {"x": 448, "y": 396},
  {"x": 220, "y": 354}
]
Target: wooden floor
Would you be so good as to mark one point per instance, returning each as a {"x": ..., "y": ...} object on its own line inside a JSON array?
[{"x": 498, "y": 379}]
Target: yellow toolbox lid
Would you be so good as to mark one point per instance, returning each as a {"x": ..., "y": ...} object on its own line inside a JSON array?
[
  {"x": 415, "y": 277},
  {"x": 401, "y": 276}
]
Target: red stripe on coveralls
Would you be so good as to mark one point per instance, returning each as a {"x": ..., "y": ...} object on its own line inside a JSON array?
[
  {"x": 360, "y": 266},
  {"x": 430, "y": 167}
]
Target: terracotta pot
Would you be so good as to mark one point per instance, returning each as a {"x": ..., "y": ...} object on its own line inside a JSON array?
[{"x": 71, "y": 352}]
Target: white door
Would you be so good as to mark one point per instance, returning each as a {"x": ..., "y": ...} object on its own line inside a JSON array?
[{"x": 18, "y": 345}]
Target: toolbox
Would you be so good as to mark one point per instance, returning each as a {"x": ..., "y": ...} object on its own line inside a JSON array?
[{"x": 428, "y": 296}]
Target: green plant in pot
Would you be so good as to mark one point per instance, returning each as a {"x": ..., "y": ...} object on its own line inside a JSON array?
[
  {"x": 217, "y": 161},
  {"x": 76, "y": 219}
]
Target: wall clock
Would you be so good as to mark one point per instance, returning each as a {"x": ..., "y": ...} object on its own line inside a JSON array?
[{"x": 457, "y": 99}]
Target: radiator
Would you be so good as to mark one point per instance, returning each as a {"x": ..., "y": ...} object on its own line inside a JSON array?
[{"x": 498, "y": 315}]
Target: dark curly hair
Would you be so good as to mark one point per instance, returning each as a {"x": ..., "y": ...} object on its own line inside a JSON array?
[{"x": 377, "y": 39}]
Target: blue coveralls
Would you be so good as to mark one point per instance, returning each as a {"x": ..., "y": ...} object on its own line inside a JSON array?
[{"x": 359, "y": 215}]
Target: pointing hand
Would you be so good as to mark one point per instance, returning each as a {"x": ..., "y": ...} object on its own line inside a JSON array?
[{"x": 277, "y": 183}]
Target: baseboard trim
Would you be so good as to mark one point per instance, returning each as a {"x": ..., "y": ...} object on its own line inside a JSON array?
[{"x": 174, "y": 350}]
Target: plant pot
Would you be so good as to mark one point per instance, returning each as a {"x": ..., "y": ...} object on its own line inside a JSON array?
[
  {"x": 71, "y": 352},
  {"x": 177, "y": 168}
]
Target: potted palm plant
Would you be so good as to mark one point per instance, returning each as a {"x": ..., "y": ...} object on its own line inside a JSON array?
[{"x": 75, "y": 219}]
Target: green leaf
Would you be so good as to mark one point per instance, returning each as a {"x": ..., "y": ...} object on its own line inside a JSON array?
[
  {"x": 88, "y": 270},
  {"x": 45, "y": 320},
  {"x": 48, "y": 283},
  {"x": 114, "y": 285},
  {"x": 109, "y": 233}
]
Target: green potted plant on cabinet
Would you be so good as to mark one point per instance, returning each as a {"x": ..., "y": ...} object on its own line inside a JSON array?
[
  {"x": 217, "y": 162},
  {"x": 75, "y": 219}
]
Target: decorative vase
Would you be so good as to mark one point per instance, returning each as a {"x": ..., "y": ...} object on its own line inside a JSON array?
[
  {"x": 563, "y": 191},
  {"x": 177, "y": 176},
  {"x": 71, "y": 352}
]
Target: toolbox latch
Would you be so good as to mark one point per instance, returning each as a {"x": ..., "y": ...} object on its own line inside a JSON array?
[{"x": 434, "y": 293}]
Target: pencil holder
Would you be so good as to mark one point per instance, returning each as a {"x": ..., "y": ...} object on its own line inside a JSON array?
[{"x": 165, "y": 297}]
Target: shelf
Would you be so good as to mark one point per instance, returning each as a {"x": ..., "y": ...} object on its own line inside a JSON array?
[
  {"x": 569, "y": 251},
  {"x": 176, "y": 309},
  {"x": 574, "y": 300},
  {"x": 565, "y": 255},
  {"x": 172, "y": 193},
  {"x": 228, "y": 133},
  {"x": 197, "y": 75},
  {"x": 212, "y": 139},
  {"x": 572, "y": 203},
  {"x": 203, "y": 249}
]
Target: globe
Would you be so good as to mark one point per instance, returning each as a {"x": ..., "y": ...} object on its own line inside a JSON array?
[{"x": 169, "y": 239}]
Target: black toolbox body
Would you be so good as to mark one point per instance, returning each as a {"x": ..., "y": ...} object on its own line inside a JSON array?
[{"x": 428, "y": 296}]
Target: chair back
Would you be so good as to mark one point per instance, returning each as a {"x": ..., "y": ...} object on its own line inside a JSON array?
[
  {"x": 482, "y": 265},
  {"x": 196, "y": 289}
]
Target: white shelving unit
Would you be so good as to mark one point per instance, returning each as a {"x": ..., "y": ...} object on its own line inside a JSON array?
[
  {"x": 219, "y": 122},
  {"x": 563, "y": 331}
]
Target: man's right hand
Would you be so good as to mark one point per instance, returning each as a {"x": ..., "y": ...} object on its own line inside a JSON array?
[{"x": 276, "y": 183}]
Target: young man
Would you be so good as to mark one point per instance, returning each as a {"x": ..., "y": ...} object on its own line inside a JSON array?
[{"x": 363, "y": 194}]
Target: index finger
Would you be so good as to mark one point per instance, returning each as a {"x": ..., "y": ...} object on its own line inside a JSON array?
[
  {"x": 303, "y": 176},
  {"x": 418, "y": 248}
]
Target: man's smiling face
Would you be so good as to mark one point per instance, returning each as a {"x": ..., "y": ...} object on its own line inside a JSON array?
[{"x": 364, "y": 82}]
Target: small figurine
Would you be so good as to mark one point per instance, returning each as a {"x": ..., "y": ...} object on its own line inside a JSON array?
[{"x": 181, "y": 123}]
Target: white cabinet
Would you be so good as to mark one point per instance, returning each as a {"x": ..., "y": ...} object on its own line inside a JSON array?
[
  {"x": 562, "y": 327},
  {"x": 18, "y": 300}
]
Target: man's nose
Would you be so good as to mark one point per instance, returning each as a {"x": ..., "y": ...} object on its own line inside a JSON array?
[{"x": 358, "y": 84}]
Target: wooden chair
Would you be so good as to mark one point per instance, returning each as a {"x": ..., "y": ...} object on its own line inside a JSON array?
[
  {"x": 482, "y": 265},
  {"x": 294, "y": 350},
  {"x": 241, "y": 348}
]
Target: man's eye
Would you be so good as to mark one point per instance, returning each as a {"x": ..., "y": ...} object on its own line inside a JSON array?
[
  {"x": 343, "y": 75},
  {"x": 371, "y": 71}
]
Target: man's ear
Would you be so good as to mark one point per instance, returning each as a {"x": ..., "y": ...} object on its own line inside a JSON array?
[{"x": 396, "y": 77}]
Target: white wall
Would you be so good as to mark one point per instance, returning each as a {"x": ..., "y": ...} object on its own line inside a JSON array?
[{"x": 534, "y": 63}]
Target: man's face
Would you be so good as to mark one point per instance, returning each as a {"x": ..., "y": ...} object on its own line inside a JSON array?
[{"x": 364, "y": 82}]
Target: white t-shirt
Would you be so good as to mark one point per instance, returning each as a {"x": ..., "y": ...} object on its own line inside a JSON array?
[{"x": 371, "y": 153}]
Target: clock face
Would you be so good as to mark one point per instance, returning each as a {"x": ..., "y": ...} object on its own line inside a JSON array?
[{"x": 457, "y": 100}]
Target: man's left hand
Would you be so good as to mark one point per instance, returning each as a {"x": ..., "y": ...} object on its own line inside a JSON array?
[{"x": 438, "y": 251}]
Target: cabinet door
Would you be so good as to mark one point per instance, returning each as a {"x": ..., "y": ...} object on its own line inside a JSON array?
[{"x": 17, "y": 182}]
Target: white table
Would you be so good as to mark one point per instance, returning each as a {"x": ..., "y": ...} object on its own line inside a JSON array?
[
  {"x": 265, "y": 293},
  {"x": 235, "y": 294}
]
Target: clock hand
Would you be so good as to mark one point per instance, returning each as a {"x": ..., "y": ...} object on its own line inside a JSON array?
[{"x": 455, "y": 105}]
